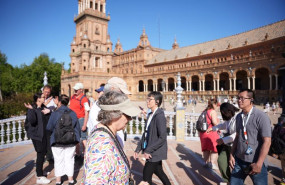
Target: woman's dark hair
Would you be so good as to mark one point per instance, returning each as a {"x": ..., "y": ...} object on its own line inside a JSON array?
[
  {"x": 37, "y": 96},
  {"x": 211, "y": 103},
  {"x": 228, "y": 111},
  {"x": 64, "y": 99},
  {"x": 157, "y": 97}
]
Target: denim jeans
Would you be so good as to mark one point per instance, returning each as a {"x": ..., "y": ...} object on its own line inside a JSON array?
[
  {"x": 238, "y": 176},
  {"x": 83, "y": 133}
]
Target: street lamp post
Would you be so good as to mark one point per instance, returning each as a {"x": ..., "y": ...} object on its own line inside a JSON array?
[{"x": 163, "y": 87}]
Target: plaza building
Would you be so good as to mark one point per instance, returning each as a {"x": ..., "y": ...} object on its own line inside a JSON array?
[{"x": 254, "y": 59}]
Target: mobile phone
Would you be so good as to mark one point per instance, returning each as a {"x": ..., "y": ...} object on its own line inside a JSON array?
[
  {"x": 247, "y": 169},
  {"x": 140, "y": 107}
]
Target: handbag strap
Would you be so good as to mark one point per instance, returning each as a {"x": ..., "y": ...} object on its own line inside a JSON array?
[{"x": 118, "y": 145}]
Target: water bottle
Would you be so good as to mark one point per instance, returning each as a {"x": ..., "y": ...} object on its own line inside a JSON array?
[{"x": 205, "y": 126}]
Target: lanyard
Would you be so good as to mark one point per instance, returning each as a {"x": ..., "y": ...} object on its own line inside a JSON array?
[{"x": 245, "y": 123}]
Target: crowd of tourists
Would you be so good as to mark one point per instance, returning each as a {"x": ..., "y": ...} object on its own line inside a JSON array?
[{"x": 65, "y": 129}]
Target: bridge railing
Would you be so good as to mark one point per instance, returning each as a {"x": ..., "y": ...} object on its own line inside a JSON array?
[{"x": 14, "y": 133}]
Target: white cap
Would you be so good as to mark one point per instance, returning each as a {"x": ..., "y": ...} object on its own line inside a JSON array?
[{"x": 78, "y": 86}]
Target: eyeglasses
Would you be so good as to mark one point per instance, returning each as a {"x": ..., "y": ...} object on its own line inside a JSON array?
[
  {"x": 149, "y": 99},
  {"x": 242, "y": 98}
]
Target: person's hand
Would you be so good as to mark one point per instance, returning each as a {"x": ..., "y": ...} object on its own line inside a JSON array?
[
  {"x": 28, "y": 106},
  {"x": 135, "y": 155},
  {"x": 83, "y": 128},
  {"x": 220, "y": 141},
  {"x": 46, "y": 111},
  {"x": 147, "y": 156},
  {"x": 232, "y": 161},
  {"x": 209, "y": 130},
  {"x": 143, "y": 183},
  {"x": 256, "y": 168},
  {"x": 47, "y": 101}
]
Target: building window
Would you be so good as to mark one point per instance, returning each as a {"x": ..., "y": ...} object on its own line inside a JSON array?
[
  {"x": 108, "y": 49},
  {"x": 84, "y": 68},
  {"x": 84, "y": 45},
  {"x": 91, "y": 4},
  {"x": 96, "y": 6}
]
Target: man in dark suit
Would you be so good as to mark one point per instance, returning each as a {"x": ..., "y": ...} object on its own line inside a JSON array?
[{"x": 154, "y": 140}]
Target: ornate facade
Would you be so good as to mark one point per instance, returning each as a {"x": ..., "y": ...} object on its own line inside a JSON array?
[{"x": 252, "y": 59}]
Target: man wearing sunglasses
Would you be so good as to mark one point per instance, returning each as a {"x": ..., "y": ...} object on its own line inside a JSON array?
[{"x": 252, "y": 142}]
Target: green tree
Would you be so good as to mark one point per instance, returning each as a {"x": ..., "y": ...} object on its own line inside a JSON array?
[
  {"x": 17, "y": 85},
  {"x": 6, "y": 77}
]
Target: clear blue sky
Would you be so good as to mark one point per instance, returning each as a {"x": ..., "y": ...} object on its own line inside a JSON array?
[{"x": 31, "y": 27}]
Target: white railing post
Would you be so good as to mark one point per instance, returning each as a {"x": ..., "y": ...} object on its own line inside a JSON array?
[
  {"x": 131, "y": 126},
  {"x": 2, "y": 133},
  {"x": 8, "y": 132},
  {"x": 142, "y": 124},
  {"x": 196, "y": 131},
  {"x": 14, "y": 131},
  {"x": 25, "y": 137},
  {"x": 20, "y": 130},
  {"x": 170, "y": 125},
  {"x": 186, "y": 126},
  {"x": 191, "y": 125},
  {"x": 137, "y": 125}
]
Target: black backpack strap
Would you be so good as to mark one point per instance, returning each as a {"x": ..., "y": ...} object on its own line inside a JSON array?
[{"x": 80, "y": 101}]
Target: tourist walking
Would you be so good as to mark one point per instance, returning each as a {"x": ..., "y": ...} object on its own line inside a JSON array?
[
  {"x": 228, "y": 131},
  {"x": 105, "y": 161},
  {"x": 209, "y": 140},
  {"x": 114, "y": 84},
  {"x": 252, "y": 142},
  {"x": 63, "y": 151},
  {"x": 35, "y": 126},
  {"x": 153, "y": 143}
]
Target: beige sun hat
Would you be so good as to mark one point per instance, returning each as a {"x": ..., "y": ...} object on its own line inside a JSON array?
[
  {"x": 120, "y": 83},
  {"x": 126, "y": 107}
]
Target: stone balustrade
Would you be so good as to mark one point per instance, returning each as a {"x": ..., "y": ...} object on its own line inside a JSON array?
[{"x": 13, "y": 131}]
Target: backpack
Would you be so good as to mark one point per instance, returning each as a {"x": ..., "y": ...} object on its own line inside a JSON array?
[
  {"x": 201, "y": 124},
  {"x": 81, "y": 100},
  {"x": 277, "y": 142},
  {"x": 64, "y": 131}
]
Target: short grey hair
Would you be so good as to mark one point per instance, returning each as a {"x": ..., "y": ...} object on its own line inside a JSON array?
[{"x": 110, "y": 98}]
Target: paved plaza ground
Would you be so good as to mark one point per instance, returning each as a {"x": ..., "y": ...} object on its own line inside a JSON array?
[{"x": 184, "y": 165}]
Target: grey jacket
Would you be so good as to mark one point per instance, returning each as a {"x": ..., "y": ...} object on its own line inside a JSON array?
[{"x": 157, "y": 138}]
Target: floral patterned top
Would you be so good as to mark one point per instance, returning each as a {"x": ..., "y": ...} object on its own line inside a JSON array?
[{"x": 103, "y": 163}]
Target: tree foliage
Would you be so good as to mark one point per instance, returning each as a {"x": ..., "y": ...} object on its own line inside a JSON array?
[{"x": 26, "y": 80}]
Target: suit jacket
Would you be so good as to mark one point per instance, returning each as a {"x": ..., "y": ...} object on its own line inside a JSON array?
[{"x": 157, "y": 138}]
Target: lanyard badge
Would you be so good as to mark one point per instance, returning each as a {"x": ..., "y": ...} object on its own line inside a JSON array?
[{"x": 249, "y": 149}]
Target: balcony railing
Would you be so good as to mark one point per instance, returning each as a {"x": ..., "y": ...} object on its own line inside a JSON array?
[{"x": 14, "y": 133}]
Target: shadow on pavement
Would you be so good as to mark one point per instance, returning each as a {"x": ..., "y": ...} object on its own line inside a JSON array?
[
  {"x": 202, "y": 174},
  {"x": 20, "y": 174}
]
